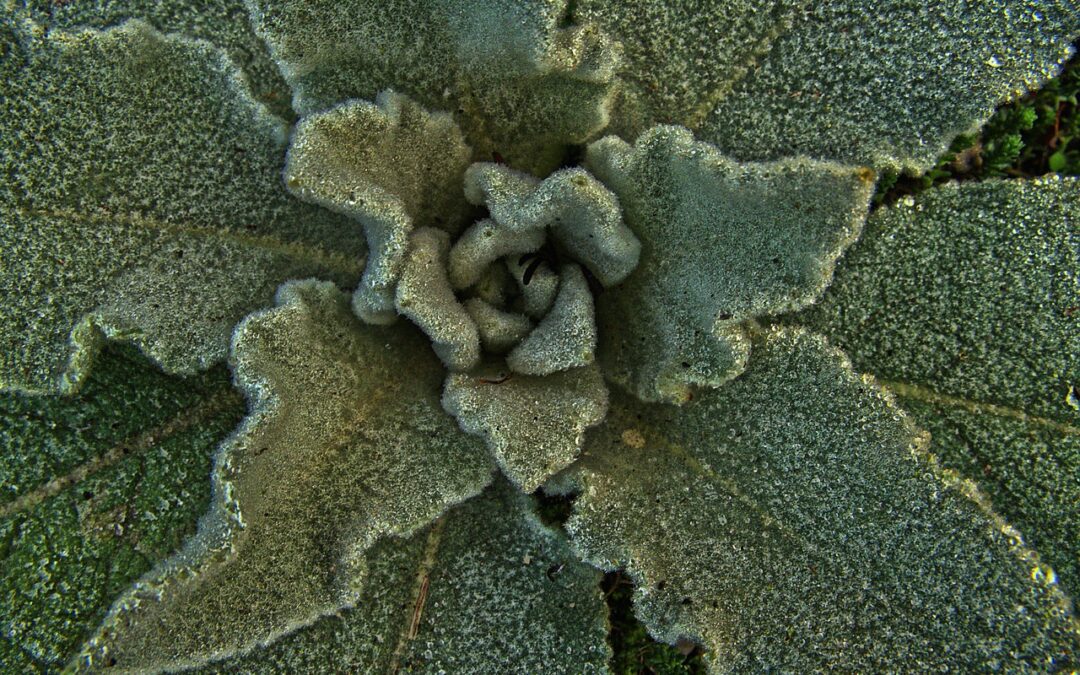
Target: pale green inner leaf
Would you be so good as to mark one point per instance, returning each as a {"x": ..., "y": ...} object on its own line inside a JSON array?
[
  {"x": 721, "y": 242},
  {"x": 534, "y": 426},
  {"x": 345, "y": 443},
  {"x": 486, "y": 589}
]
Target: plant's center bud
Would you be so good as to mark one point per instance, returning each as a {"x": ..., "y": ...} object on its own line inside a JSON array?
[{"x": 519, "y": 284}]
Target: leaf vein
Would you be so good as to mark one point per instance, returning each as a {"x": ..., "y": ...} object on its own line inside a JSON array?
[{"x": 134, "y": 445}]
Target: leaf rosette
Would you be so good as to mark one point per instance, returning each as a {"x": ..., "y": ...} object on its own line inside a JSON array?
[{"x": 647, "y": 321}]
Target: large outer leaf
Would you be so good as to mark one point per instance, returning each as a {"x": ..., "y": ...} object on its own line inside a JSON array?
[
  {"x": 141, "y": 198},
  {"x": 885, "y": 83},
  {"x": 345, "y": 443},
  {"x": 223, "y": 22},
  {"x": 681, "y": 56},
  {"x": 721, "y": 243},
  {"x": 96, "y": 489},
  {"x": 487, "y": 589},
  {"x": 793, "y": 520},
  {"x": 517, "y": 81},
  {"x": 890, "y": 83},
  {"x": 965, "y": 301}
]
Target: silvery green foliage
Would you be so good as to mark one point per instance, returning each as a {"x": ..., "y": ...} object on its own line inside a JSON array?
[
  {"x": 797, "y": 533},
  {"x": 391, "y": 166},
  {"x": 298, "y": 505},
  {"x": 996, "y": 263},
  {"x": 575, "y": 209},
  {"x": 885, "y": 83},
  {"x": 223, "y": 22},
  {"x": 787, "y": 514},
  {"x": 516, "y": 80},
  {"x": 142, "y": 201},
  {"x": 722, "y": 242},
  {"x": 425, "y": 296},
  {"x": 534, "y": 425},
  {"x": 428, "y": 608}
]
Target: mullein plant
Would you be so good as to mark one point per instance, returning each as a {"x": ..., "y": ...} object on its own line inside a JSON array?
[{"x": 455, "y": 252}]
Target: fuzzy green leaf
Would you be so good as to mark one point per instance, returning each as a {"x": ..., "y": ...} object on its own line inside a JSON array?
[
  {"x": 224, "y": 23},
  {"x": 965, "y": 302},
  {"x": 142, "y": 200},
  {"x": 345, "y": 443},
  {"x": 390, "y": 165},
  {"x": 425, "y": 296},
  {"x": 534, "y": 426},
  {"x": 579, "y": 213},
  {"x": 97, "y": 488},
  {"x": 680, "y": 57},
  {"x": 518, "y": 82},
  {"x": 890, "y": 84},
  {"x": 978, "y": 299},
  {"x": 721, "y": 243},
  {"x": 487, "y": 589},
  {"x": 793, "y": 520}
]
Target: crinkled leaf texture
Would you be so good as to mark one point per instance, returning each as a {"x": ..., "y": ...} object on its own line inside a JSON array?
[
  {"x": 225, "y": 23},
  {"x": 97, "y": 488},
  {"x": 882, "y": 84},
  {"x": 142, "y": 200},
  {"x": 793, "y": 520},
  {"x": 390, "y": 165},
  {"x": 965, "y": 302},
  {"x": 486, "y": 589},
  {"x": 517, "y": 81},
  {"x": 534, "y": 426},
  {"x": 345, "y": 443},
  {"x": 722, "y": 243}
]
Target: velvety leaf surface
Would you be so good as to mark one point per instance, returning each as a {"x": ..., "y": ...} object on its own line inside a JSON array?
[
  {"x": 679, "y": 57},
  {"x": 890, "y": 83},
  {"x": 486, "y": 589},
  {"x": 345, "y": 443},
  {"x": 965, "y": 302},
  {"x": 1028, "y": 465},
  {"x": 224, "y": 23},
  {"x": 534, "y": 426},
  {"x": 721, "y": 242},
  {"x": 97, "y": 488},
  {"x": 517, "y": 81},
  {"x": 972, "y": 290},
  {"x": 573, "y": 207},
  {"x": 390, "y": 165},
  {"x": 142, "y": 199},
  {"x": 793, "y": 520}
]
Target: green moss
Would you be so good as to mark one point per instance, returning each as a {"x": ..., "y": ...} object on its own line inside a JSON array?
[{"x": 636, "y": 652}]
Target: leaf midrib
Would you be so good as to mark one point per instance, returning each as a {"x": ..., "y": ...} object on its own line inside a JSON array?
[
  {"x": 312, "y": 255},
  {"x": 141, "y": 442}
]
